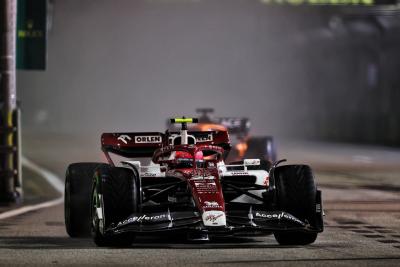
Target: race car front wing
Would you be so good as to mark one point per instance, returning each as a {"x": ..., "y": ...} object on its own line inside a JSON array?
[{"x": 236, "y": 221}]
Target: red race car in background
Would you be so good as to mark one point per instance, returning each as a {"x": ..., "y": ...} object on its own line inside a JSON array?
[
  {"x": 178, "y": 182},
  {"x": 243, "y": 144}
]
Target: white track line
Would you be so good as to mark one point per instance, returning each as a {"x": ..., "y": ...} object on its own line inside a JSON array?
[
  {"x": 22, "y": 210},
  {"x": 51, "y": 178}
]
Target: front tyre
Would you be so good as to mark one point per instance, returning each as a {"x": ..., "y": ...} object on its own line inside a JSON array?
[
  {"x": 114, "y": 198},
  {"x": 78, "y": 183},
  {"x": 296, "y": 194}
]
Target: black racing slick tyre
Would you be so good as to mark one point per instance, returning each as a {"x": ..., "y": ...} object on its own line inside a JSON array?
[
  {"x": 78, "y": 183},
  {"x": 115, "y": 195},
  {"x": 296, "y": 194},
  {"x": 261, "y": 148}
]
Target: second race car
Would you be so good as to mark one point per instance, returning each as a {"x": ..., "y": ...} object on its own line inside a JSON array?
[{"x": 244, "y": 145}]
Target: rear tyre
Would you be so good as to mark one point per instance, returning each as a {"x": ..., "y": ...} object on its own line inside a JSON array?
[
  {"x": 78, "y": 183},
  {"x": 114, "y": 197},
  {"x": 261, "y": 148},
  {"x": 296, "y": 194}
]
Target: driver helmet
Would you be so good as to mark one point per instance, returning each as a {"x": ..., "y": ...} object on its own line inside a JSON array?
[
  {"x": 187, "y": 155},
  {"x": 186, "y": 159}
]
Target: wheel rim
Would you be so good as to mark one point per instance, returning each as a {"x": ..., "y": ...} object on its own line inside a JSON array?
[{"x": 97, "y": 203}]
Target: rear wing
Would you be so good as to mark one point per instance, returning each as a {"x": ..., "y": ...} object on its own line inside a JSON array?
[
  {"x": 143, "y": 144},
  {"x": 132, "y": 145},
  {"x": 235, "y": 125}
]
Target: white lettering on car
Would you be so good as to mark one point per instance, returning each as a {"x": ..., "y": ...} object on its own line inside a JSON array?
[
  {"x": 142, "y": 218},
  {"x": 278, "y": 216},
  {"x": 239, "y": 173},
  {"x": 149, "y": 174},
  {"x": 207, "y": 138},
  {"x": 211, "y": 204},
  {"x": 204, "y": 187},
  {"x": 150, "y": 139}
]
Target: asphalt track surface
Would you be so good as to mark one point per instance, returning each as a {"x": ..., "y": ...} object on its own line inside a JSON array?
[{"x": 362, "y": 222}]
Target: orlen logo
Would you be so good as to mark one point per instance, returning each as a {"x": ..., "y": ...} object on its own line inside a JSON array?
[{"x": 148, "y": 139}]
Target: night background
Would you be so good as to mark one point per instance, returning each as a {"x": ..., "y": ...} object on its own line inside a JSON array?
[{"x": 319, "y": 76}]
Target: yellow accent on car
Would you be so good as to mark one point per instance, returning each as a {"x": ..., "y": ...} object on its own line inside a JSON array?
[{"x": 183, "y": 120}]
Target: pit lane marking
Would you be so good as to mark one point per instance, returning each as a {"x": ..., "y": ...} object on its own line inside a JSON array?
[{"x": 369, "y": 231}]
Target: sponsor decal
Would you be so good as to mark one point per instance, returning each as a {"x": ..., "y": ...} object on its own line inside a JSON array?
[
  {"x": 239, "y": 173},
  {"x": 199, "y": 138},
  {"x": 206, "y": 187},
  {"x": 124, "y": 138},
  {"x": 251, "y": 162},
  {"x": 149, "y": 174},
  {"x": 277, "y": 216},
  {"x": 211, "y": 204},
  {"x": 199, "y": 177},
  {"x": 213, "y": 217},
  {"x": 212, "y": 184},
  {"x": 143, "y": 218},
  {"x": 149, "y": 139},
  {"x": 172, "y": 199},
  {"x": 204, "y": 138}
]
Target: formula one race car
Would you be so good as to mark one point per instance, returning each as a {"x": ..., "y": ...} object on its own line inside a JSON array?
[
  {"x": 187, "y": 188},
  {"x": 243, "y": 144}
]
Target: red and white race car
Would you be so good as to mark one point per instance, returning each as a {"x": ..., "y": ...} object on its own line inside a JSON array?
[{"x": 181, "y": 184}]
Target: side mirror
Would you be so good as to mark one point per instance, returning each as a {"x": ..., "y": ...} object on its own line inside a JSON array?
[{"x": 275, "y": 164}]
